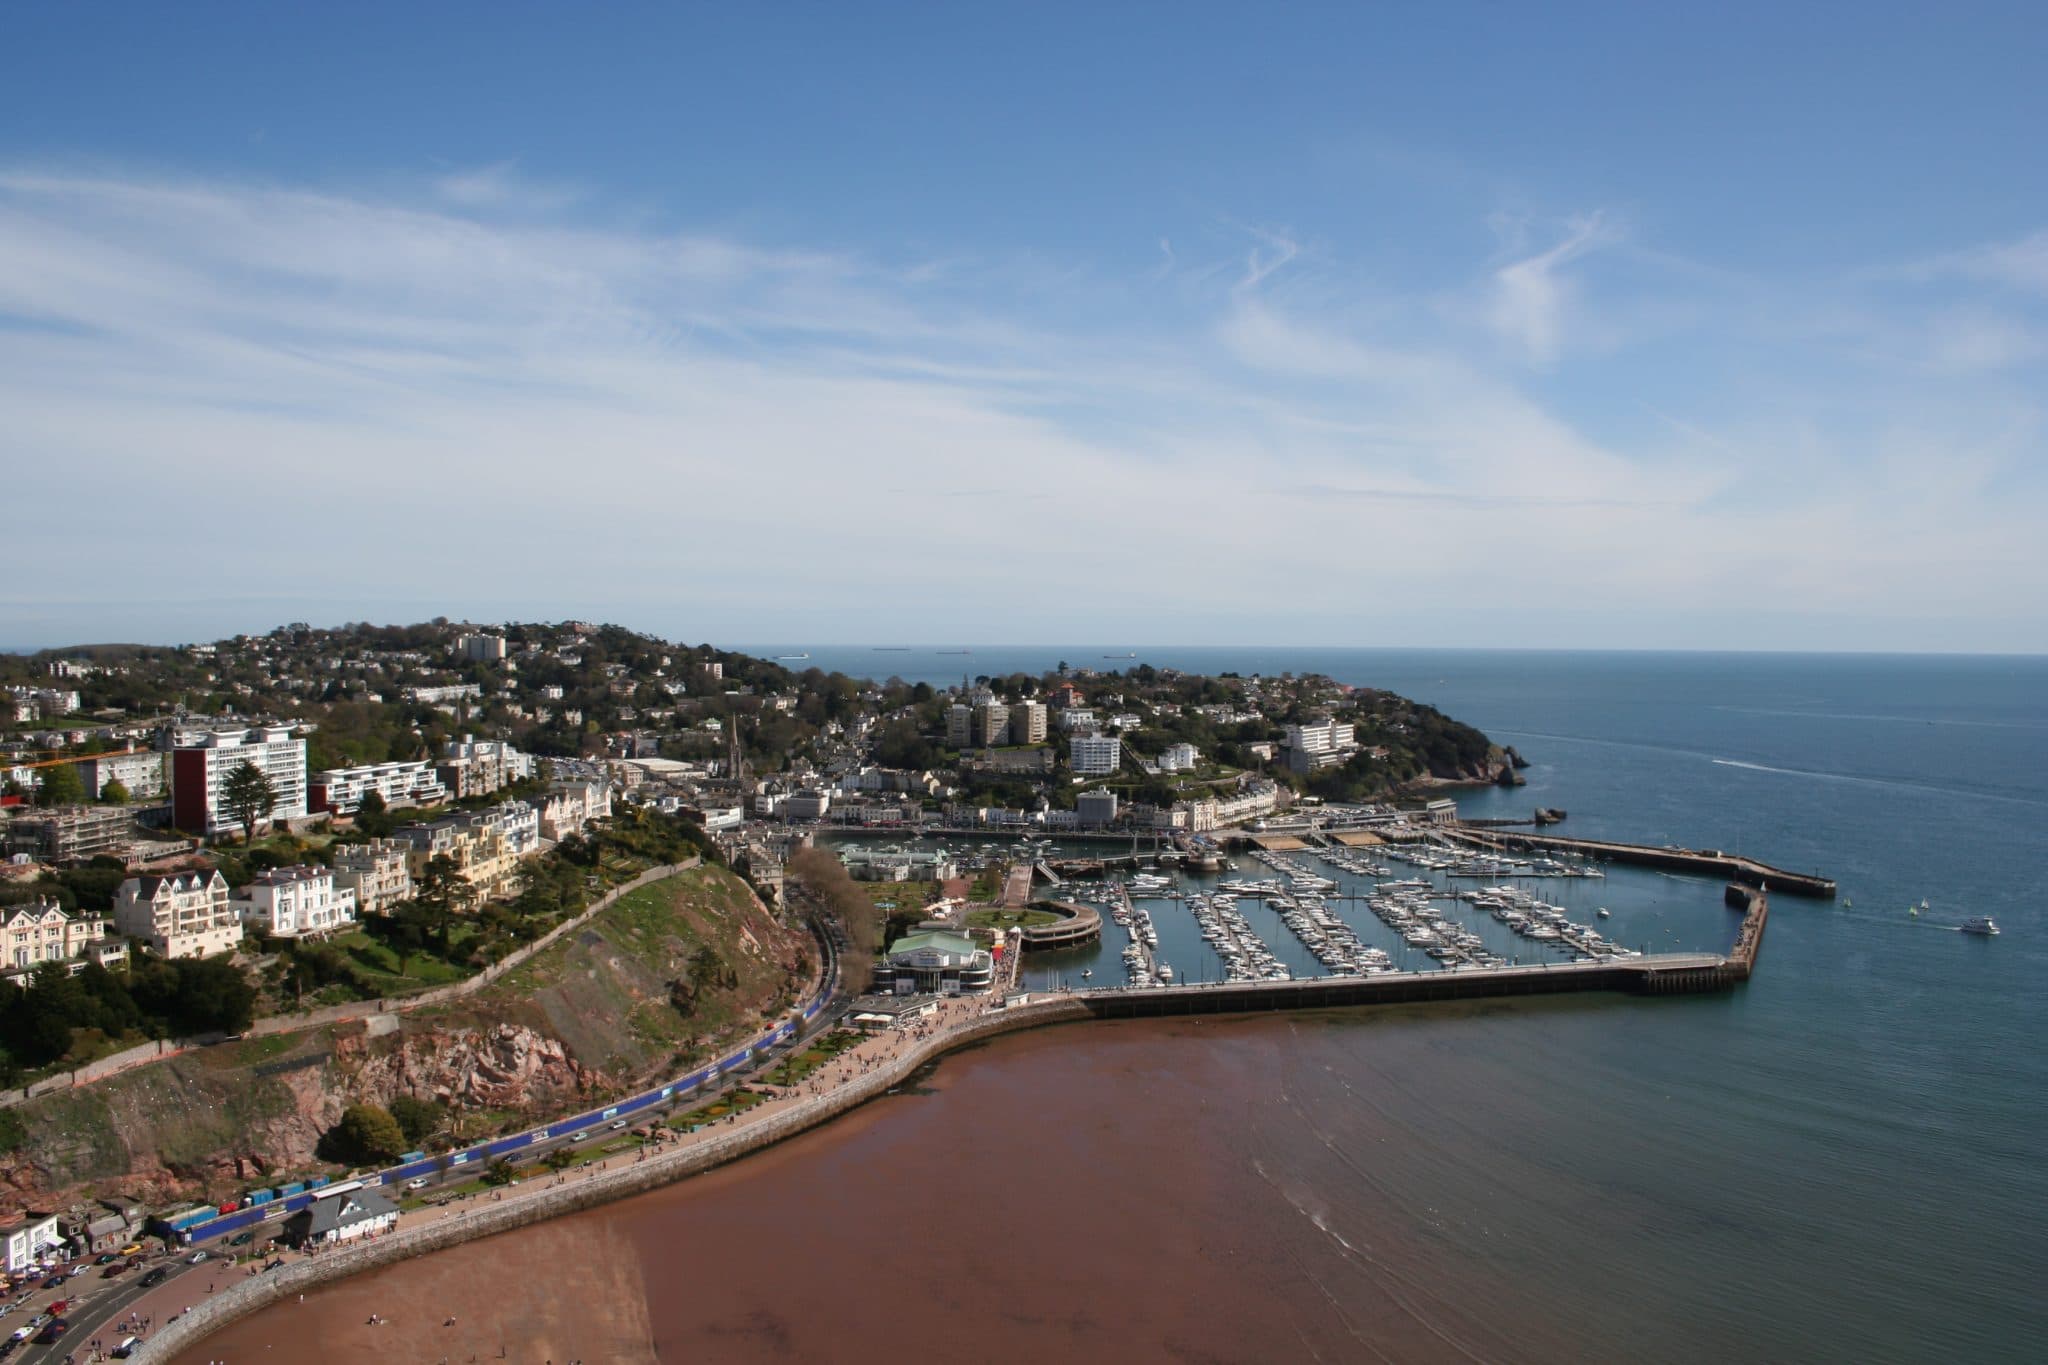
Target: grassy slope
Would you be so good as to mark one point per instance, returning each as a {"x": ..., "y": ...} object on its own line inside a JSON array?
[{"x": 603, "y": 990}]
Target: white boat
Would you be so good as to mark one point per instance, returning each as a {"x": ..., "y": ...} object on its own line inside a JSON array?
[
  {"x": 1605, "y": 913},
  {"x": 1979, "y": 924}
]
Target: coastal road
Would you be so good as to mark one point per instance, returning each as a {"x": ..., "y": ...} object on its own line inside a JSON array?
[{"x": 101, "y": 1302}]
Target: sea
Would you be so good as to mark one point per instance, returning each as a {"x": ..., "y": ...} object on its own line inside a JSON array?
[{"x": 1843, "y": 1159}]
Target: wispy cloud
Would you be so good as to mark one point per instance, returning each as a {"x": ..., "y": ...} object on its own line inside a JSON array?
[
  {"x": 1531, "y": 296},
  {"x": 466, "y": 385}
]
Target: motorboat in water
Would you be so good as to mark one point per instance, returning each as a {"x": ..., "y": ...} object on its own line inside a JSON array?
[{"x": 1979, "y": 924}]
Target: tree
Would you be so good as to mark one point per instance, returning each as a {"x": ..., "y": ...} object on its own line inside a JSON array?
[
  {"x": 248, "y": 796},
  {"x": 560, "y": 1159},
  {"x": 418, "y": 1119},
  {"x": 366, "y": 1133},
  {"x": 499, "y": 1172},
  {"x": 115, "y": 793},
  {"x": 61, "y": 786}
]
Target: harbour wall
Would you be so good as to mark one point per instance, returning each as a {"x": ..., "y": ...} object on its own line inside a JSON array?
[{"x": 1713, "y": 862}]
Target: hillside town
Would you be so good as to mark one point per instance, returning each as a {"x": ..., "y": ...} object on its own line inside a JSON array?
[{"x": 203, "y": 837}]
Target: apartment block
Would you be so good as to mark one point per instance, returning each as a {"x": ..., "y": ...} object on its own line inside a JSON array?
[
  {"x": 1095, "y": 755},
  {"x": 202, "y": 760},
  {"x": 184, "y": 914},
  {"x": 375, "y": 872},
  {"x": 341, "y": 790},
  {"x": 295, "y": 902}
]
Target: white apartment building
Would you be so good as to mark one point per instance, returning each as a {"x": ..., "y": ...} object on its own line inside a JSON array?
[
  {"x": 1252, "y": 801},
  {"x": 1322, "y": 745},
  {"x": 433, "y": 696},
  {"x": 375, "y": 872},
  {"x": 141, "y": 773},
  {"x": 1179, "y": 758},
  {"x": 341, "y": 790},
  {"x": 43, "y": 931},
  {"x": 295, "y": 902},
  {"x": 184, "y": 914},
  {"x": 481, "y": 648},
  {"x": 1079, "y": 718},
  {"x": 1095, "y": 755},
  {"x": 201, "y": 760}
]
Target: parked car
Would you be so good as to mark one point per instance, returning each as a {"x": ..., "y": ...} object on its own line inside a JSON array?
[
  {"x": 55, "y": 1281},
  {"x": 242, "y": 1239},
  {"x": 105, "y": 1258},
  {"x": 117, "y": 1268},
  {"x": 132, "y": 1249}
]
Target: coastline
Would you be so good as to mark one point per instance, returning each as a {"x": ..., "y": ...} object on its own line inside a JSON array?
[{"x": 770, "y": 1123}]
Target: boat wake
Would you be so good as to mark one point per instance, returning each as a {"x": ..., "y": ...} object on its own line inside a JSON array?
[{"x": 1889, "y": 783}]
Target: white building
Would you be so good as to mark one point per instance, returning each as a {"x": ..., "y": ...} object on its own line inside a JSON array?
[
  {"x": 808, "y": 804},
  {"x": 1095, "y": 755},
  {"x": 1076, "y": 719},
  {"x": 295, "y": 902},
  {"x": 1179, "y": 758},
  {"x": 432, "y": 696},
  {"x": 375, "y": 872},
  {"x": 43, "y": 931},
  {"x": 1323, "y": 745},
  {"x": 481, "y": 648},
  {"x": 28, "y": 1244},
  {"x": 142, "y": 773},
  {"x": 341, "y": 790},
  {"x": 201, "y": 760},
  {"x": 184, "y": 914}
]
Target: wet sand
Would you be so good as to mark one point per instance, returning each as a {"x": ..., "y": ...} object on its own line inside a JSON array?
[
  {"x": 1404, "y": 1185},
  {"x": 558, "y": 1291},
  {"x": 1070, "y": 1194}
]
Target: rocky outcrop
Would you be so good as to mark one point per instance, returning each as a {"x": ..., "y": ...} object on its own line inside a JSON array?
[
  {"x": 506, "y": 1066},
  {"x": 1515, "y": 760}
]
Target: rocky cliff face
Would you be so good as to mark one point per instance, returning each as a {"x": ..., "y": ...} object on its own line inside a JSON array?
[{"x": 507, "y": 1066}]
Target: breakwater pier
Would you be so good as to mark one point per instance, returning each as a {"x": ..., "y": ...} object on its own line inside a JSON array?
[{"x": 1712, "y": 862}]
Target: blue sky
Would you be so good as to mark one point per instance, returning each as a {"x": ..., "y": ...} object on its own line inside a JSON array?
[{"x": 1358, "y": 325}]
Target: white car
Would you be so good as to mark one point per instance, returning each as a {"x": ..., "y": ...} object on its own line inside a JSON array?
[{"x": 418, "y": 1182}]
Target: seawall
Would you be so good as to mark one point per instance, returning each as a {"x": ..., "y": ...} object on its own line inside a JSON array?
[{"x": 634, "y": 1177}]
